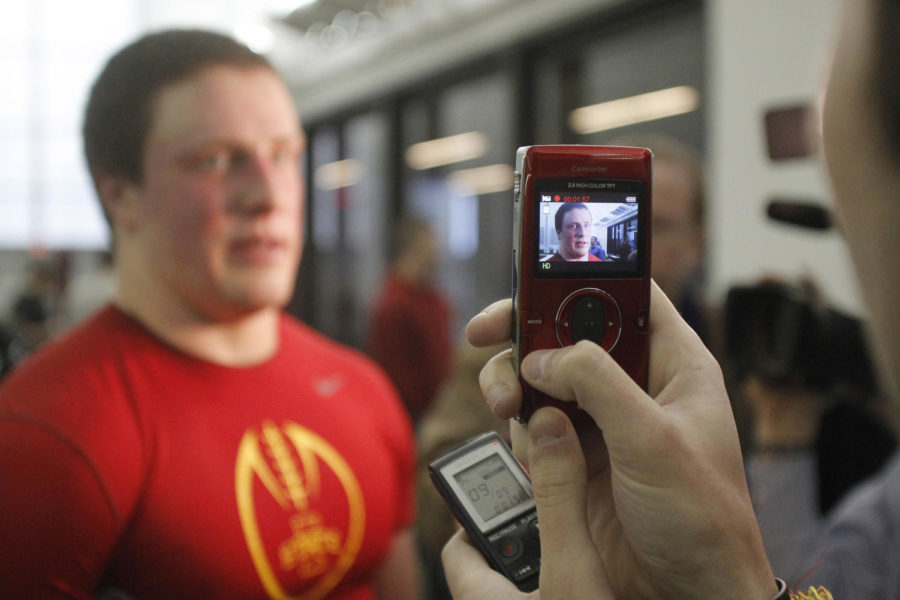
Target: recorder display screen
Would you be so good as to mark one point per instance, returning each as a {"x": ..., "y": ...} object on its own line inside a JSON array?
[
  {"x": 589, "y": 228},
  {"x": 491, "y": 487}
]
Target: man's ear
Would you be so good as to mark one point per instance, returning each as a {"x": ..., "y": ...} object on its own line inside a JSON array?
[{"x": 118, "y": 197}]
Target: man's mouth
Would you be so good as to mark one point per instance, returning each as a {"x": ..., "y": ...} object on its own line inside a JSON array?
[{"x": 259, "y": 249}]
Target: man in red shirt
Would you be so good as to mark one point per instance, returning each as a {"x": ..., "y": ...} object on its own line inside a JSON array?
[
  {"x": 191, "y": 440},
  {"x": 410, "y": 333}
]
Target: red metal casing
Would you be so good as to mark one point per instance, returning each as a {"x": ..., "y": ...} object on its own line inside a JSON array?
[{"x": 542, "y": 316}]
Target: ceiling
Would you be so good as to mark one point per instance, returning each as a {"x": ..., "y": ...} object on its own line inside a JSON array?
[{"x": 335, "y": 53}]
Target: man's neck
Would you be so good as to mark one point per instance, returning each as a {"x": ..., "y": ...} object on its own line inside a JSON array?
[
  {"x": 409, "y": 274},
  {"x": 237, "y": 342}
]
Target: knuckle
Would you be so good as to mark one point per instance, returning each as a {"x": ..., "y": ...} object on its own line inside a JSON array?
[
  {"x": 585, "y": 364},
  {"x": 553, "y": 490},
  {"x": 586, "y": 356}
]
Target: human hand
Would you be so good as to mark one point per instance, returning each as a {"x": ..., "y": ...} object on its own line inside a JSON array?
[
  {"x": 664, "y": 509},
  {"x": 571, "y": 567}
]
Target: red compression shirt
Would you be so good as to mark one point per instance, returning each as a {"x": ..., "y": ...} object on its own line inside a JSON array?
[{"x": 127, "y": 464}]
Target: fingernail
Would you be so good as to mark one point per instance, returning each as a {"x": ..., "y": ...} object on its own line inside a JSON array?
[
  {"x": 496, "y": 394},
  {"x": 547, "y": 427},
  {"x": 479, "y": 315},
  {"x": 533, "y": 365},
  {"x": 476, "y": 318}
]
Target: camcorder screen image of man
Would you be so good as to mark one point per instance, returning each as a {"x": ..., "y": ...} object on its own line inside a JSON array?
[{"x": 585, "y": 234}]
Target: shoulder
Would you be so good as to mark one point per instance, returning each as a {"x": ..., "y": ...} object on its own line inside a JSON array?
[
  {"x": 80, "y": 388},
  {"x": 75, "y": 394},
  {"x": 876, "y": 498},
  {"x": 365, "y": 386},
  {"x": 860, "y": 558},
  {"x": 76, "y": 359},
  {"x": 320, "y": 353},
  {"x": 858, "y": 523}
]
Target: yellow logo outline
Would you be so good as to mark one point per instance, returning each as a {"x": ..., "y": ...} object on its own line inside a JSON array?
[{"x": 292, "y": 491}]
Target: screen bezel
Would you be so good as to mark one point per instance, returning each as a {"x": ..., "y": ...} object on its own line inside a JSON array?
[
  {"x": 450, "y": 470},
  {"x": 593, "y": 188}
]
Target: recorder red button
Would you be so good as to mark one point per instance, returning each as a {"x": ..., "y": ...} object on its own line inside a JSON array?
[{"x": 510, "y": 549}]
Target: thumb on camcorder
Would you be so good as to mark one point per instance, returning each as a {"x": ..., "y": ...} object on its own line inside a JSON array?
[{"x": 570, "y": 565}]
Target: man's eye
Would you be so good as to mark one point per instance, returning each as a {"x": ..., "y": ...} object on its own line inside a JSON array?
[
  {"x": 214, "y": 162},
  {"x": 283, "y": 155}
]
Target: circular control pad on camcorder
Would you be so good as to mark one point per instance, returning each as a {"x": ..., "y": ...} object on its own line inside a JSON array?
[{"x": 589, "y": 314}]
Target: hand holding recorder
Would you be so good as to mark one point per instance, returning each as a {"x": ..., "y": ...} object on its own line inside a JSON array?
[
  {"x": 658, "y": 506},
  {"x": 490, "y": 495}
]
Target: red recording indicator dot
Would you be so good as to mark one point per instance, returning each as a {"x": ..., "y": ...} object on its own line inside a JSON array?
[
  {"x": 510, "y": 549},
  {"x": 556, "y": 198}
]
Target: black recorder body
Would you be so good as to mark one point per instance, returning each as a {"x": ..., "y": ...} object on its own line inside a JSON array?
[
  {"x": 581, "y": 257},
  {"x": 490, "y": 495}
]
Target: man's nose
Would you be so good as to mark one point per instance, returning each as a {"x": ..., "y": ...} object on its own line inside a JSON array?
[{"x": 257, "y": 190}]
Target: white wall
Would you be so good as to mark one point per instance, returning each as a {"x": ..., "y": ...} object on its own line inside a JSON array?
[{"x": 762, "y": 54}]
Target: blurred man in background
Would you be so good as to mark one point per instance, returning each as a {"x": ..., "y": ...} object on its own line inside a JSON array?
[
  {"x": 678, "y": 223},
  {"x": 410, "y": 331}
]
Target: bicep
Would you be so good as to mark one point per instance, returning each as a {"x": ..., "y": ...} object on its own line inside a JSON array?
[{"x": 58, "y": 522}]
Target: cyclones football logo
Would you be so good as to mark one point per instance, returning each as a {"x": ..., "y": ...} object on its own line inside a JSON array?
[{"x": 286, "y": 466}]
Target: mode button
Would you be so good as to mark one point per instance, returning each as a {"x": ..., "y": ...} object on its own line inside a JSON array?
[{"x": 531, "y": 322}]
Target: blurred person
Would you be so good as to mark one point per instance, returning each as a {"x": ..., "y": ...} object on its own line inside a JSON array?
[
  {"x": 30, "y": 328},
  {"x": 34, "y": 318},
  {"x": 819, "y": 427},
  {"x": 817, "y": 448},
  {"x": 88, "y": 289},
  {"x": 27, "y": 330},
  {"x": 597, "y": 248},
  {"x": 45, "y": 282},
  {"x": 191, "y": 440},
  {"x": 658, "y": 507},
  {"x": 573, "y": 224},
  {"x": 410, "y": 330},
  {"x": 678, "y": 225}
]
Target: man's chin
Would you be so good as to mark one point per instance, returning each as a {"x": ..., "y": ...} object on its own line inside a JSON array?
[{"x": 261, "y": 296}]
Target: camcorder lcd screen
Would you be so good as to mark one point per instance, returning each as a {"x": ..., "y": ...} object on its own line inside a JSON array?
[{"x": 589, "y": 228}]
